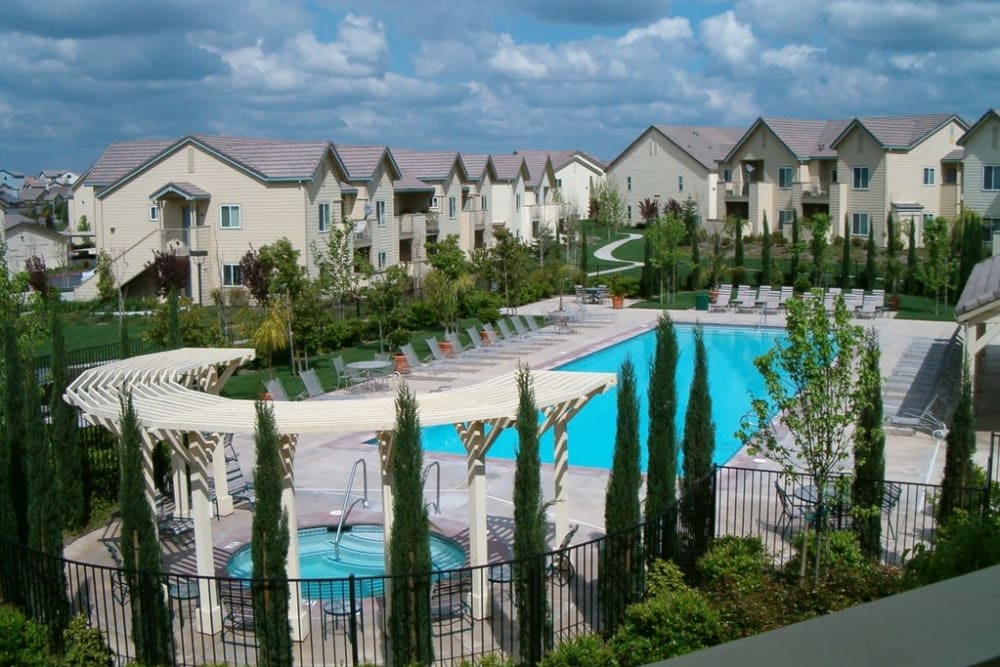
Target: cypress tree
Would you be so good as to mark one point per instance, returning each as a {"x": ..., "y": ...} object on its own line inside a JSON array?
[
  {"x": 621, "y": 562},
  {"x": 794, "y": 265},
  {"x": 529, "y": 527},
  {"x": 16, "y": 480},
  {"x": 765, "y": 255},
  {"x": 912, "y": 268},
  {"x": 68, "y": 456},
  {"x": 972, "y": 246},
  {"x": 891, "y": 250},
  {"x": 738, "y": 259},
  {"x": 695, "y": 259},
  {"x": 661, "y": 470},
  {"x": 584, "y": 259},
  {"x": 269, "y": 547},
  {"x": 124, "y": 352},
  {"x": 151, "y": 631},
  {"x": 409, "y": 544},
  {"x": 697, "y": 499},
  {"x": 845, "y": 257},
  {"x": 869, "y": 452},
  {"x": 961, "y": 445},
  {"x": 871, "y": 271},
  {"x": 174, "y": 339}
]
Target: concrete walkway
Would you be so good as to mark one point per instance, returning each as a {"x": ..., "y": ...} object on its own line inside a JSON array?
[{"x": 606, "y": 254}]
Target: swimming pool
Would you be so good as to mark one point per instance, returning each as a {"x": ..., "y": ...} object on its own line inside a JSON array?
[
  {"x": 732, "y": 380},
  {"x": 361, "y": 554}
]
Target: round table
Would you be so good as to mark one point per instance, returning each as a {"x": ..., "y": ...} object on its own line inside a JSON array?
[
  {"x": 370, "y": 367},
  {"x": 339, "y": 609}
]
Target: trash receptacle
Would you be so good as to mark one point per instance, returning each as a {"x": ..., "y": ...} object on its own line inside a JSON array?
[{"x": 701, "y": 301}]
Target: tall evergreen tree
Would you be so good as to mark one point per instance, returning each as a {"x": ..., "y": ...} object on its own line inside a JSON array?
[
  {"x": 269, "y": 547},
  {"x": 972, "y": 246},
  {"x": 45, "y": 517},
  {"x": 529, "y": 528},
  {"x": 689, "y": 213},
  {"x": 409, "y": 544},
  {"x": 697, "y": 498},
  {"x": 68, "y": 457},
  {"x": 661, "y": 469},
  {"x": 646, "y": 277},
  {"x": 891, "y": 254},
  {"x": 845, "y": 256},
  {"x": 796, "y": 245},
  {"x": 871, "y": 270},
  {"x": 961, "y": 445},
  {"x": 621, "y": 562},
  {"x": 765, "y": 255},
  {"x": 584, "y": 252},
  {"x": 174, "y": 339},
  {"x": 124, "y": 351},
  {"x": 151, "y": 632},
  {"x": 16, "y": 473},
  {"x": 868, "y": 486},
  {"x": 738, "y": 258},
  {"x": 912, "y": 267}
]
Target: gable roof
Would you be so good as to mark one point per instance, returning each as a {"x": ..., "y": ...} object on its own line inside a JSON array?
[
  {"x": 509, "y": 167},
  {"x": 985, "y": 118},
  {"x": 561, "y": 159},
  {"x": 361, "y": 162},
  {"x": 476, "y": 165},
  {"x": 536, "y": 162},
  {"x": 982, "y": 287},
  {"x": 122, "y": 158},
  {"x": 704, "y": 144},
  {"x": 427, "y": 165},
  {"x": 803, "y": 138},
  {"x": 900, "y": 132},
  {"x": 187, "y": 191}
]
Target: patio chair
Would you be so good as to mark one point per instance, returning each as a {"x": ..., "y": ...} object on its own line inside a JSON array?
[
  {"x": 496, "y": 341},
  {"x": 236, "y": 600},
  {"x": 521, "y": 328},
  {"x": 891, "y": 493},
  {"x": 347, "y": 377},
  {"x": 119, "y": 584},
  {"x": 439, "y": 357},
  {"x": 314, "y": 387},
  {"x": 868, "y": 308},
  {"x": 791, "y": 509},
  {"x": 276, "y": 390},
  {"x": 535, "y": 328},
  {"x": 450, "y": 610},
  {"x": 515, "y": 337},
  {"x": 239, "y": 487},
  {"x": 561, "y": 568},
  {"x": 471, "y": 354}
]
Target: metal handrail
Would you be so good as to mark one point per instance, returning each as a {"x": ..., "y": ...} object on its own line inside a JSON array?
[
  {"x": 348, "y": 505},
  {"x": 436, "y": 503}
]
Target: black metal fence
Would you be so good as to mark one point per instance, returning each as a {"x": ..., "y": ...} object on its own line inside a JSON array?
[
  {"x": 80, "y": 360},
  {"x": 344, "y": 621}
]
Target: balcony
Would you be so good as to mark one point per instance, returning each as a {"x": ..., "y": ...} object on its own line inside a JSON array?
[
  {"x": 816, "y": 192},
  {"x": 408, "y": 223},
  {"x": 737, "y": 191},
  {"x": 362, "y": 233}
]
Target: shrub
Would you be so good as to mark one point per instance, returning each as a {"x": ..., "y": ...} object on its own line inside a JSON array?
[
  {"x": 665, "y": 626},
  {"x": 585, "y": 651},
  {"x": 420, "y": 315},
  {"x": 857, "y": 241},
  {"x": 23, "y": 643},
  {"x": 802, "y": 283},
  {"x": 343, "y": 333},
  {"x": 734, "y": 562},
  {"x": 481, "y": 305},
  {"x": 968, "y": 542},
  {"x": 840, "y": 551},
  {"x": 665, "y": 577},
  {"x": 399, "y": 337},
  {"x": 85, "y": 646}
]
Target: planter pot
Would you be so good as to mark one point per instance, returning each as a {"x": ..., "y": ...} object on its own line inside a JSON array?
[
  {"x": 446, "y": 348},
  {"x": 617, "y": 302},
  {"x": 713, "y": 296},
  {"x": 892, "y": 301},
  {"x": 264, "y": 396},
  {"x": 400, "y": 364},
  {"x": 484, "y": 337}
]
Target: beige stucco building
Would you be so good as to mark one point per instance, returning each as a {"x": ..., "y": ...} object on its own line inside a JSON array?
[{"x": 981, "y": 171}]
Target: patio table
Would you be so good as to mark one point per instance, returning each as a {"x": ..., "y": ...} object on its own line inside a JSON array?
[{"x": 371, "y": 368}]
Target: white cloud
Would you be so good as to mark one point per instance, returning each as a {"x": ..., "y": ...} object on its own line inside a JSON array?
[
  {"x": 515, "y": 61},
  {"x": 667, "y": 29},
  {"x": 728, "y": 40},
  {"x": 790, "y": 56},
  {"x": 911, "y": 61}
]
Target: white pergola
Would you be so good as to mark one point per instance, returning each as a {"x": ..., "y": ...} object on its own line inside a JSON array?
[
  {"x": 175, "y": 395},
  {"x": 978, "y": 309}
]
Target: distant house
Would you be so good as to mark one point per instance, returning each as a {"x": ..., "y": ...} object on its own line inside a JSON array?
[
  {"x": 576, "y": 174},
  {"x": 57, "y": 177},
  {"x": 368, "y": 192},
  {"x": 481, "y": 175},
  {"x": 507, "y": 194},
  {"x": 981, "y": 171},
  {"x": 26, "y": 238},
  {"x": 672, "y": 162},
  {"x": 12, "y": 179}
]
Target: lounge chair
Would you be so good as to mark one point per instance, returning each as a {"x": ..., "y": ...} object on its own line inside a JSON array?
[
  {"x": 535, "y": 328},
  {"x": 439, "y": 357},
  {"x": 502, "y": 342},
  {"x": 791, "y": 510},
  {"x": 314, "y": 387},
  {"x": 276, "y": 390},
  {"x": 521, "y": 328},
  {"x": 868, "y": 309},
  {"x": 413, "y": 361},
  {"x": 471, "y": 354},
  {"x": 516, "y": 337},
  {"x": 450, "y": 611}
]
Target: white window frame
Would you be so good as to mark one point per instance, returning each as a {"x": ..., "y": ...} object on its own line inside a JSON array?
[
  {"x": 324, "y": 219},
  {"x": 433, "y": 204},
  {"x": 928, "y": 175},
  {"x": 517, "y": 201},
  {"x": 786, "y": 183},
  {"x": 483, "y": 202},
  {"x": 785, "y": 217},
  {"x": 229, "y": 272},
  {"x": 452, "y": 208},
  {"x": 380, "y": 212},
  {"x": 856, "y": 220},
  {"x": 230, "y": 208},
  {"x": 680, "y": 184},
  {"x": 154, "y": 213},
  {"x": 856, "y": 173},
  {"x": 994, "y": 181},
  {"x": 381, "y": 259},
  {"x": 628, "y": 212}
]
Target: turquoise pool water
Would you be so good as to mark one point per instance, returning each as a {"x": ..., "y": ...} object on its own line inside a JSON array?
[
  {"x": 361, "y": 554},
  {"x": 733, "y": 379}
]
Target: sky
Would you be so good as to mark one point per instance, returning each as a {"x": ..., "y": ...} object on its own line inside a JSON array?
[{"x": 496, "y": 76}]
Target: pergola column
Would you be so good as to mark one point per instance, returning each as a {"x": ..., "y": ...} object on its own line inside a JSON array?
[
  {"x": 388, "y": 489},
  {"x": 297, "y": 616},
  {"x": 209, "y": 608},
  {"x": 180, "y": 483},
  {"x": 561, "y": 465},
  {"x": 223, "y": 501}
]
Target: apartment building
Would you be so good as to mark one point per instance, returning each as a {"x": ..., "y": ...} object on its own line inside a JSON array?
[
  {"x": 507, "y": 193},
  {"x": 980, "y": 158},
  {"x": 481, "y": 175},
  {"x": 672, "y": 161},
  {"x": 576, "y": 176},
  {"x": 541, "y": 194}
]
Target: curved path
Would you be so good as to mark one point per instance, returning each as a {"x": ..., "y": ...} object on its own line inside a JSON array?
[{"x": 606, "y": 254}]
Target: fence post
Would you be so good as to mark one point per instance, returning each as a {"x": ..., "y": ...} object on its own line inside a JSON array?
[
  {"x": 352, "y": 621},
  {"x": 715, "y": 496}
]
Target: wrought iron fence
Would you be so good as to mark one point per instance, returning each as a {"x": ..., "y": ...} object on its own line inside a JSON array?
[
  {"x": 80, "y": 360},
  {"x": 473, "y": 609}
]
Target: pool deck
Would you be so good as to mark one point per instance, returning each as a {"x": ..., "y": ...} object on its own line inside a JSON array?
[{"x": 322, "y": 464}]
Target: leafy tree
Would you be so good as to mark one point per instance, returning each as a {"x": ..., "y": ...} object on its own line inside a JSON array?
[
  {"x": 448, "y": 257},
  {"x": 972, "y": 245},
  {"x": 621, "y": 562},
  {"x": 661, "y": 444},
  {"x": 697, "y": 497},
  {"x": 649, "y": 209},
  {"x": 384, "y": 292},
  {"x": 82, "y": 224},
  {"x": 509, "y": 265},
  {"x": 339, "y": 278},
  {"x": 68, "y": 456},
  {"x": 913, "y": 285},
  {"x": 442, "y": 294},
  {"x": 610, "y": 208},
  {"x": 871, "y": 270},
  {"x": 269, "y": 547},
  {"x": 796, "y": 245},
  {"x": 173, "y": 319},
  {"x": 716, "y": 261},
  {"x": 409, "y": 543},
  {"x": 169, "y": 271},
  {"x": 689, "y": 215},
  {"x": 892, "y": 248},
  {"x": 818, "y": 243},
  {"x": 869, "y": 452},
  {"x": 584, "y": 253},
  {"x": 961, "y": 445},
  {"x": 665, "y": 235},
  {"x": 37, "y": 276},
  {"x": 845, "y": 256},
  {"x": 936, "y": 270},
  {"x": 15, "y": 484},
  {"x": 810, "y": 380},
  {"x": 765, "y": 255},
  {"x": 254, "y": 274},
  {"x": 140, "y": 547},
  {"x": 106, "y": 290},
  {"x": 529, "y": 527}
]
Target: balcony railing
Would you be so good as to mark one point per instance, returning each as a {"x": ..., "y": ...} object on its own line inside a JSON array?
[
  {"x": 408, "y": 222},
  {"x": 362, "y": 232},
  {"x": 184, "y": 240}
]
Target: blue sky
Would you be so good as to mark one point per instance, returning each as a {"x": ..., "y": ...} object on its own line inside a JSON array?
[{"x": 495, "y": 76}]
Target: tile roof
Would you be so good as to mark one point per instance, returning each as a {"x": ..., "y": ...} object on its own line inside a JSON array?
[
  {"x": 475, "y": 164},
  {"x": 982, "y": 287},
  {"x": 12, "y": 219},
  {"x": 956, "y": 155},
  {"x": 119, "y": 159},
  {"x": 360, "y": 161},
  {"x": 425, "y": 165},
  {"x": 707, "y": 145},
  {"x": 990, "y": 113},
  {"x": 271, "y": 158},
  {"x": 407, "y": 183},
  {"x": 807, "y": 138},
  {"x": 186, "y": 190},
  {"x": 535, "y": 161},
  {"x": 904, "y": 131},
  {"x": 507, "y": 166}
]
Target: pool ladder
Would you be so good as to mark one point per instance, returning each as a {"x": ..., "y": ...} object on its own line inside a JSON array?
[
  {"x": 436, "y": 466},
  {"x": 348, "y": 505}
]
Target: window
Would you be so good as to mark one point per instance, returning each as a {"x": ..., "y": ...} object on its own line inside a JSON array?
[
  {"x": 324, "y": 217},
  {"x": 861, "y": 178},
  {"x": 154, "y": 213},
  {"x": 991, "y": 226},
  {"x": 680, "y": 183},
  {"x": 232, "y": 276},
  {"x": 949, "y": 175},
  {"x": 483, "y": 203},
  {"x": 928, "y": 218},
  {"x": 380, "y": 212},
  {"x": 381, "y": 259},
  {"x": 628, "y": 182},
  {"x": 558, "y": 182},
  {"x": 727, "y": 175},
  {"x": 833, "y": 176},
  {"x": 785, "y": 175},
  {"x": 928, "y": 175},
  {"x": 452, "y": 208},
  {"x": 432, "y": 203},
  {"x": 229, "y": 216},
  {"x": 784, "y": 218},
  {"x": 991, "y": 177},
  {"x": 628, "y": 212},
  {"x": 859, "y": 224},
  {"x": 517, "y": 202}
]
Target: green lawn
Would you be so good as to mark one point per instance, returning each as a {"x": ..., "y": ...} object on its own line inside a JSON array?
[
  {"x": 923, "y": 308},
  {"x": 90, "y": 332}
]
